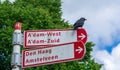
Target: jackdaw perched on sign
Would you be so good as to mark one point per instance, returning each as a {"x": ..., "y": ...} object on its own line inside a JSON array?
[{"x": 79, "y": 23}]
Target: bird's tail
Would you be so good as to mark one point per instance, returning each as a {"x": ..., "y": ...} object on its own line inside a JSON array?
[{"x": 75, "y": 28}]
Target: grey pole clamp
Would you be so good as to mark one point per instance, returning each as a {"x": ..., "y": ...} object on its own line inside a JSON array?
[{"x": 17, "y": 38}]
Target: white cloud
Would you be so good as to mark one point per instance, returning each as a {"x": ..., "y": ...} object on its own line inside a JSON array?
[
  {"x": 110, "y": 61},
  {"x": 102, "y": 25},
  {"x": 78, "y": 8}
]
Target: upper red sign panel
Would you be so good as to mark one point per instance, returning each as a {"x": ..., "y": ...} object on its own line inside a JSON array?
[{"x": 45, "y": 38}]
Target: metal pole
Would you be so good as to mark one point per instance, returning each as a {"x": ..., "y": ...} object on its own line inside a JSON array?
[{"x": 17, "y": 42}]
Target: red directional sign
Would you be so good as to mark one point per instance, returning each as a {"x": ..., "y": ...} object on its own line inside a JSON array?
[
  {"x": 51, "y": 55},
  {"x": 44, "y": 38}
]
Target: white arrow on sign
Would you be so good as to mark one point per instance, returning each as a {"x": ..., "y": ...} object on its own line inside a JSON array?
[
  {"x": 79, "y": 50},
  {"x": 82, "y": 36}
]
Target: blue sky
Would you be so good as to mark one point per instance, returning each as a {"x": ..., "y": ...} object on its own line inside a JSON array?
[{"x": 102, "y": 25}]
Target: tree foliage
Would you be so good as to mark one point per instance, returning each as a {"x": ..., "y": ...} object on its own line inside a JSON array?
[{"x": 36, "y": 14}]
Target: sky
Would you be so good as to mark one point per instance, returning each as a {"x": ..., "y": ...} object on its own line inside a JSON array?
[{"x": 102, "y": 26}]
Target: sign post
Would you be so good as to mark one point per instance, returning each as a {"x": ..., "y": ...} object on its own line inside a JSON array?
[
  {"x": 51, "y": 55},
  {"x": 50, "y": 46},
  {"x": 17, "y": 41},
  {"x": 44, "y": 38}
]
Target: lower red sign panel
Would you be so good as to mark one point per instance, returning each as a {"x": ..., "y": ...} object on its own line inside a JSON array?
[{"x": 51, "y": 55}]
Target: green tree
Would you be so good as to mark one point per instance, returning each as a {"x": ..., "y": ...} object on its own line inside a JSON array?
[{"x": 36, "y": 14}]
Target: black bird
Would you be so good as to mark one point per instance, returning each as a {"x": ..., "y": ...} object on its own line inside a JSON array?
[{"x": 79, "y": 23}]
